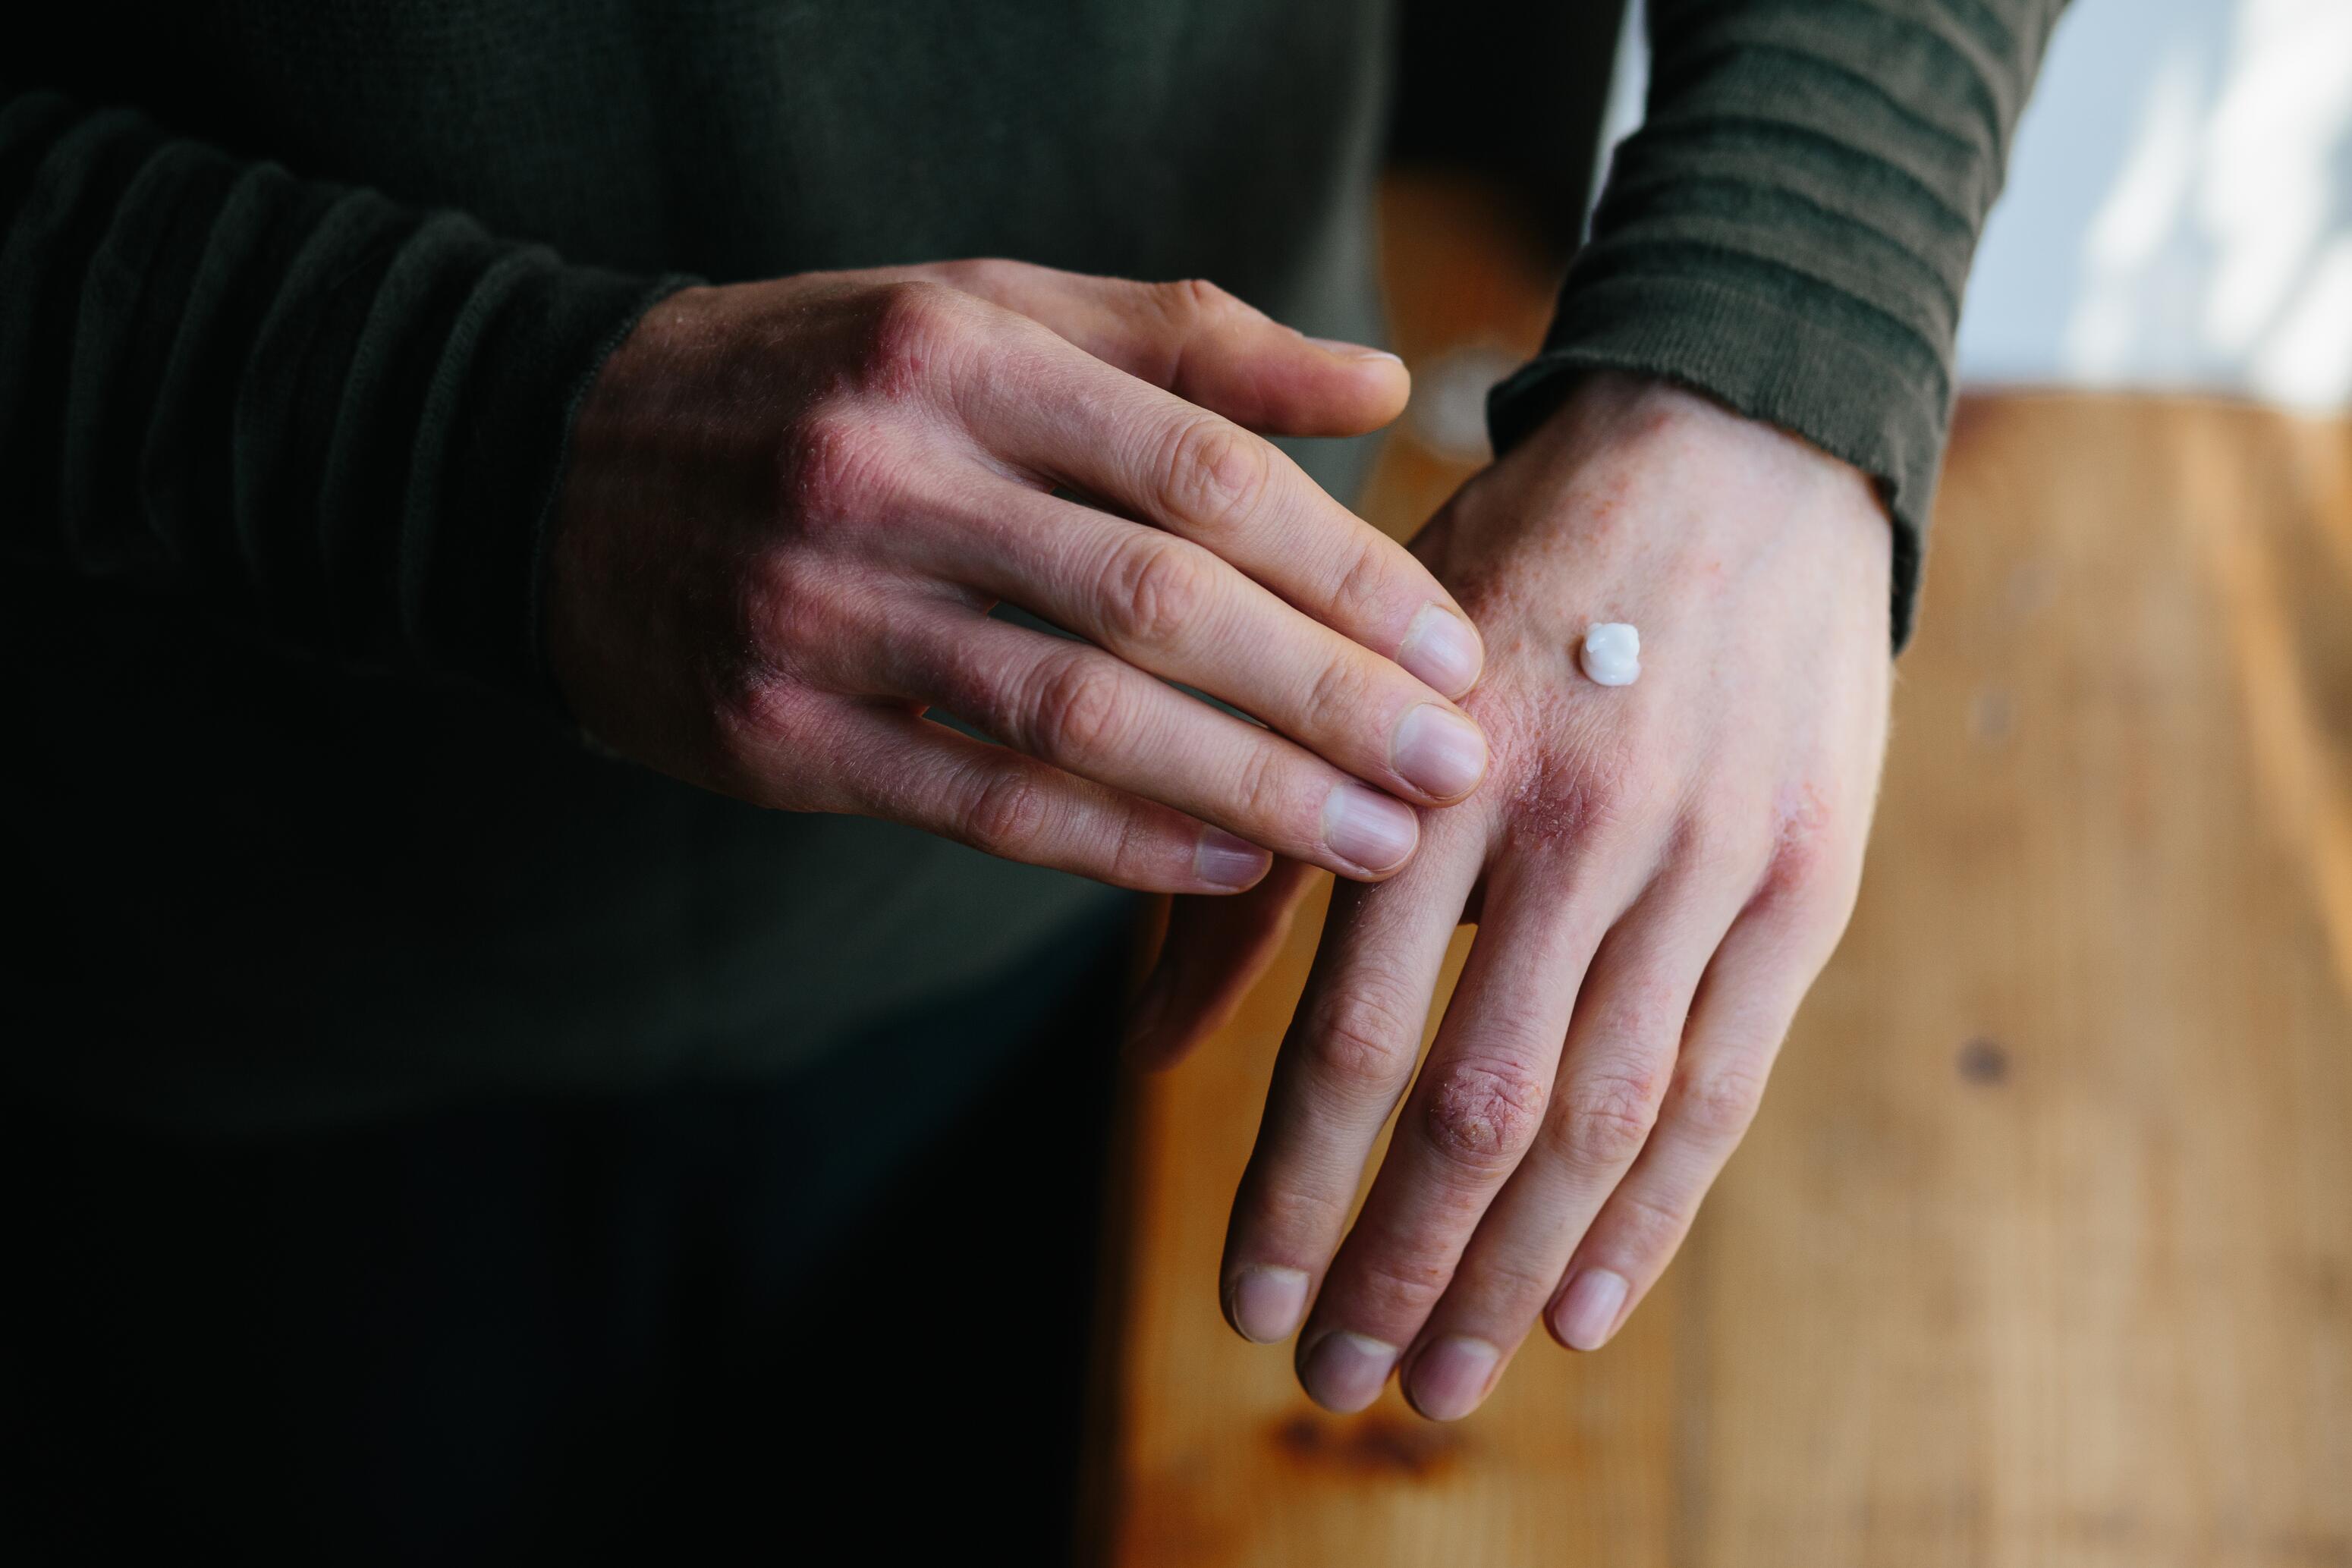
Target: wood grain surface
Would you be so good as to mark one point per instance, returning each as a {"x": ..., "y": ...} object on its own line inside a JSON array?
[{"x": 2041, "y": 1252}]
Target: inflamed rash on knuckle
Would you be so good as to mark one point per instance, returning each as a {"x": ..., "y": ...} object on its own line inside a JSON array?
[
  {"x": 1809, "y": 869},
  {"x": 835, "y": 469},
  {"x": 1483, "y": 1115},
  {"x": 915, "y": 331},
  {"x": 765, "y": 727},
  {"x": 783, "y": 612}
]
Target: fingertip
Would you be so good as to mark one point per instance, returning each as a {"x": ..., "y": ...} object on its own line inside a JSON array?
[
  {"x": 1451, "y": 1376},
  {"x": 1345, "y": 1371},
  {"x": 1228, "y": 864},
  {"x": 1588, "y": 1312},
  {"x": 1370, "y": 834},
  {"x": 1360, "y": 353},
  {"x": 1336, "y": 388},
  {"x": 1380, "y": 379},
  {"x": 1443, "y": 650},
  {"x": 1265, "y": 1302}
]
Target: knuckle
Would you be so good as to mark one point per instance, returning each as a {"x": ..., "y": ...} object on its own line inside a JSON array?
[
  {"x": 1214, "y": 473},
  {"x": 1080, "y": 710},
  {"x": 752, "y": 720},
  {"x": 914, "y": 321},
  {"x": 1360, "y": 1043},
  {"x": 1712, "y": 842},
  {"x": 1185, "y": 300},
  {"x": 1800, "y": 868},
  {"x": 1158, "y": 588},
  {"x": 1808, "y": 864},
  {"x": 1262, "y": 786},
  {"x": 1595, "y": 787},
  {"x": 1363, "y": 587},
  {"x": 1293, "y": 1206},
  {"x": 1342, "y": 690},
  {"x": 986, "y": 276},
  {"x": 1604, "y": 1116},
  {"x": 1485, "y": 1115},
  {"x": 1389, "y": 1288},
  {"x": 833, "y": 467},
  {"x": 1007, "y": 811},
  {"x": 1513, "y": 1284},
  {"x": 1717, "y": 1101},
  {"x": 1641, "y": 1226},
  {"x": 1144, "y": 854}
]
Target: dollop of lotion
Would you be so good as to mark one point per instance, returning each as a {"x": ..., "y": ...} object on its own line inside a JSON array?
[{"x": 1612, "y": 654}]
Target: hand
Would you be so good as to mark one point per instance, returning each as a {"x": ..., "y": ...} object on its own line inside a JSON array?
[
  {"x": 791, "y": 504},
  {"x": 1657, "y": 871}
]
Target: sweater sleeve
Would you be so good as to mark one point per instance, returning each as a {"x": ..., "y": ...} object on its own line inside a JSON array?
[
  {"x": 1791, "y": 230},
  {"x": 339, "y": 421}
]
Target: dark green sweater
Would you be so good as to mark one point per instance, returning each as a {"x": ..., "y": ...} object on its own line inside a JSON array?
[{"x": 296, "y": 299}]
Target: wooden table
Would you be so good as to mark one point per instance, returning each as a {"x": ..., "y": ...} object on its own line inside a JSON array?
[{"x": 2041, "y": 1252}]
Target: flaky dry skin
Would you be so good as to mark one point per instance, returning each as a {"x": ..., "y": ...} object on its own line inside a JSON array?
[{"x": 1658, "y": 872}]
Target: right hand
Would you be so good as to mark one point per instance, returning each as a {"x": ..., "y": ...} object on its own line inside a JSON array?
[{"x": 791, "y": 505}]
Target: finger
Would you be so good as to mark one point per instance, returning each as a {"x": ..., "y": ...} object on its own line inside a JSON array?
[
  {"x": 1202, "y": 344},
  {"x": 1089, "y": 713},
  {"x": 1622, "y": 1045},
  {"x": 1215, "y": 950},
  {"x": 1347, "y": 1057},
  {"x": 907, "y": 769},
  {"x": 1472, "y": 1114},
  {"x": 1169, "y": 606},
  {"x": 1071, "y": 420},
  {"x": 1745, "y": 1006}
]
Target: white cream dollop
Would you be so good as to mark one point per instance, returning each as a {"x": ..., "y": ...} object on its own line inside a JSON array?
[{"x": 1612, "y": 653}]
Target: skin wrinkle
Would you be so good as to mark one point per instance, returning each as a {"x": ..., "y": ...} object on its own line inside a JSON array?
[{"x": 1484, "y": 1113}]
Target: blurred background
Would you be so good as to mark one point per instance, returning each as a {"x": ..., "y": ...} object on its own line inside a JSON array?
[{"x": 2041, "y": 1252}]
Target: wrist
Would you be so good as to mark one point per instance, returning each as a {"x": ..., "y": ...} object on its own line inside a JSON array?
[{"x": 1733, "y": 475}]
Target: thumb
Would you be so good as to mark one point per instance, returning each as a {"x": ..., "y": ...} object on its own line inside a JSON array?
[
  {"x": 1216, "y": 948},
  {"x": 1202, "y": 344}
]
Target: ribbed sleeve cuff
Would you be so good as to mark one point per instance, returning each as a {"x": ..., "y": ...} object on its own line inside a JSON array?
[
  {"x": 1774, "y": 354},
  {"x": 1790, "y": 232},
  {"x": 508, "y": 401},
  {"x": 342, "y": 421}
]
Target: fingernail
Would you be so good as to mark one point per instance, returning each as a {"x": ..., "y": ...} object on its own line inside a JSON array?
[
  {"x": 1347, "y": 350},
  {"x": 1439, "y": 751},
  {"x": 1345, "y": 1371},
  {"x": 1224, "y": 860},
  {"x": 1367, "y": 829},
  {"x": 1440, "y": 648},
  {"x": 1267, "y": 1302},
  {"x": 1589, "y": 1311},
  {"x": 1450, "y": 1377}
]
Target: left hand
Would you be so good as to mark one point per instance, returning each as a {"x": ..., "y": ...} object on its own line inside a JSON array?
[{"x": 1658, "y": 872}]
